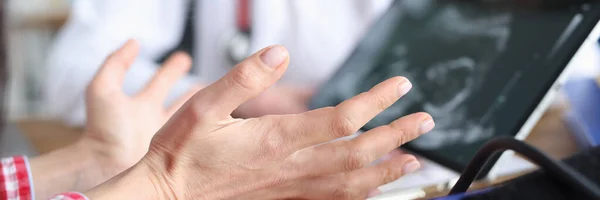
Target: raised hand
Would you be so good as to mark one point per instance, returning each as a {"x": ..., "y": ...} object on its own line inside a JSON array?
[
  {"x": 204, "y": 153},
  {"x": 119, "y": 126}
]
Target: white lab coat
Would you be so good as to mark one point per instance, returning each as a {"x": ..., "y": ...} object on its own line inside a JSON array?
[{"x": 319, "y": 35}]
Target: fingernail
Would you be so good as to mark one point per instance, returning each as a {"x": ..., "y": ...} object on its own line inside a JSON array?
[
  {"x": 427, "y": 126},
  {"x": 404, "y": 87},
  {"x": 274, "y": 56},
  {"x": 411, "y": 167}
]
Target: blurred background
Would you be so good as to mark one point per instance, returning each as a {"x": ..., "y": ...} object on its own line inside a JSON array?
[{"x": 32, "y": 26}]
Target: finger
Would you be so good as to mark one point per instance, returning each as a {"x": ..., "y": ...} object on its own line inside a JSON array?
[
  {"x": 357, "y": 184},
  {"x": 382, "y": 140},
  {"x": 179, "y": 102},
  {"x": 172, "y": 70},
  {"x": 322, "y": 125},
  {"x": 384, "y": 173},
  {"x": 111, "y": 74},
  {"x": 357, "y": 111},
  {"x": 364, "y": 149},
  {"x": 247, "y": 80}
]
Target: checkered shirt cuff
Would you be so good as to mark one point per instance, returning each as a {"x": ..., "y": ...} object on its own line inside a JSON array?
[{"x": 15, "y": 179}]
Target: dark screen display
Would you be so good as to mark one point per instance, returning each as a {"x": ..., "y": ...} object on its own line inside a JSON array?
[{"x": 478, "y": 67}]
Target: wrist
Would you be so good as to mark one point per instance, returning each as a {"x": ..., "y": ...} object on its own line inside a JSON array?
[
  {"x": 137, "y": 182},
  {"x": 108, "y": 159},
  {"x": 177, "y": 178},
  {"x": 93, "y": 167},
  {"x": 72, "y": 168}
]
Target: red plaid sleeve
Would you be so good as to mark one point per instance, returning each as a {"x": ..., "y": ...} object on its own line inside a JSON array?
[
  {"x": 70, "y": 196},
  {"x": 15, "y": 179}
]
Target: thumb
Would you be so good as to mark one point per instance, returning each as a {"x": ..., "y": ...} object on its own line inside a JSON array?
[{"x": 247, "y": 80}]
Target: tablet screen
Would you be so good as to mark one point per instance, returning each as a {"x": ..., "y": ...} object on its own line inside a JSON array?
[{"x": 478, "y": 67}]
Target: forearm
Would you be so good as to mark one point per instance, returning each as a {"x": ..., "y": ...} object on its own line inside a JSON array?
[
  {"x": 134, "y": 183},
  {"x": 73, "y": 168}
]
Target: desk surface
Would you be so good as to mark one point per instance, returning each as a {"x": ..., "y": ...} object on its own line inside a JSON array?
[
  {"x": 552, "y": 136},
  {"x": 47, "y": 135}
]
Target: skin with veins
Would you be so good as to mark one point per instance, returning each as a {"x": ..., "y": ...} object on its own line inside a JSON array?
[{"x": 446, "y": 59}]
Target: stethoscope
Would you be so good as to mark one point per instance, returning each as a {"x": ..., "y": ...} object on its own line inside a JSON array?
[{"x": 238, "y": 43}]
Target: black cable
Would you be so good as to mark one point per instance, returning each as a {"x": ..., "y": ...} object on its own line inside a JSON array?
[{"x": 559, "y": 170}]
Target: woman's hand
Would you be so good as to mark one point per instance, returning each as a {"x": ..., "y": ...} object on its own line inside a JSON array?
[
  {"x": 204, "y": 153},
  {"x": 119, "y": 126}
]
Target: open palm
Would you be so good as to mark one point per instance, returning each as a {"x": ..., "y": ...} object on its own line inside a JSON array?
[{"x": 121, "y": 125}]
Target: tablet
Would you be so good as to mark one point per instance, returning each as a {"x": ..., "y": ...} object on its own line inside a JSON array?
[{"x": 481, "y": 68}]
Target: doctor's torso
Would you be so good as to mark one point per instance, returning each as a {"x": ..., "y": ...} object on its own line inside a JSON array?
[{"x": 318, "y": 34}]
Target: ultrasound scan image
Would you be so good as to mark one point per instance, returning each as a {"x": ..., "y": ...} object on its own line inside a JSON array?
[
  {"x": 442, "y": 80},
  {"x": 479, "y": 67}
]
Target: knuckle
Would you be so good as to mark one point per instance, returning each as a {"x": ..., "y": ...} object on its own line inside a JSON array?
[
  {"x": 272, "y": 146},
  {"x": 379, "y": 101},
  {"x": 342, "y": 125},
  {"x": 401, "y": 136},
  {"x": 245, "y": 76},
  {"x": 389, "y": 175},
  {"x": 345, "y": 191},
  {"x": 357, "y": 159},
  {"x": 276, "y": 180},
  {"x": 195, "y": 113}
]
